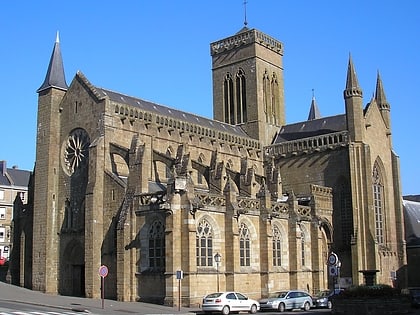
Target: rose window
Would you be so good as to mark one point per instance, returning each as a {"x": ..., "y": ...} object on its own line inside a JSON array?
[{"x": 77, "y": 150}]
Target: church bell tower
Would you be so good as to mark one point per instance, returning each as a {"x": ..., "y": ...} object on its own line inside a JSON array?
[{"x": 248, "y": 87}]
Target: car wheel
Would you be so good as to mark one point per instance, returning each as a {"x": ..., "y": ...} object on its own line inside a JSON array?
[
  {"x": 329, "y": 304},
  {"x": 253, "y": 309},
  {"x": 281, "y": 307},
  {"x": 306, "y": 306},
  {"x": 225, "y": 310}
]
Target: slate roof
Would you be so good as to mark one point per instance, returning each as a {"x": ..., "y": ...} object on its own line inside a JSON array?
[
  {"x": 412, "y": 222},
  {"x": 170, "y": 112},
  {"x": 15, "y": 177},
  {"x": 311, "y": 128}
]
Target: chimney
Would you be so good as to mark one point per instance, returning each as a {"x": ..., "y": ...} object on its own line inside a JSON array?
[{"x": 3, "y": 167}]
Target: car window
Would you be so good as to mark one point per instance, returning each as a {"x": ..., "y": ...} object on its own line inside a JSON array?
[
  {"x": 213, "y": 295},
  {"x": 241, "y": 296},
  {"x": 292, "y": 295},
  {"x": 231, "y": 296}
]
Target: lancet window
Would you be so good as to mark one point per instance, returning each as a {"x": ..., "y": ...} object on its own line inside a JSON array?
[
  {"x": 204, "y": 244},
  {"x": 378, "y": 204},
  {"x": 276, "y": 246},
  {"x": 244, "y": 246},
  {"x": 157, "y": 245}
]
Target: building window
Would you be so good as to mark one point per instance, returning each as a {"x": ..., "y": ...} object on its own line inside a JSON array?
[
  {"x": 204, "y": 244},
  {"x": 346, "y": 215},
  {"x": 2, "y": 213},
  {"x": 378, "y": 204},
  {"x": 199, "y": 175},
  {"x": 302, "y": 250},
  {"x": 22, "y": 196},
  {"x": 2, "y": 234},
  {"x": 168, "y": 171},
  {"x": 1, "y": 194},
  {"x": 244, "y": 246},
  {"x": 275, "y": 98},
  {"x": 276, "y": 247},
  {"x": 157, "y": 245},
  {"x": 241, "y": 97},
  {"x": 229, "y": 106}
]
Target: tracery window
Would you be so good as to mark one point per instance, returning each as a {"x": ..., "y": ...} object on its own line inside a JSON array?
[
  {"x": 378, "y": 204},
  {"x": 241, "y": 114},
  {"x": 244, "y": 245},
  {"x": 204, "y": 244},
  {"x": 228, "y": 96},
  {"x": 157, "y": 245},
  {"x": 276, "y": 246}
]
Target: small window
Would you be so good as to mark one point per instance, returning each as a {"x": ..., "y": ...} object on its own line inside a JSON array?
[
  {"x": 2, "y": 232},
  {"x": 1, "y": 194},
  {"x": 2, "y": 213}
]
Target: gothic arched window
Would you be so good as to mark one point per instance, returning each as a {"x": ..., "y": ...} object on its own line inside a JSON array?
[
  {"x": 168, "y": 172},
  {"x": 378, "y": 204},
  {"x": 266, "y": 96},
  {"x": 229, "y": 109},
  {"x": 204, "y": 244},
  {"x": 302, "y": 249},
  {"x": 244, "y": 246},
  {"x": 275, "y": 98},
  {"x": 276, "y": 246},
  {"x": 157, "y": 245},
  {"x": 241, "y": 97}
]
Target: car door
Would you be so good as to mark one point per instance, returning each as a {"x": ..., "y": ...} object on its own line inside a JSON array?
[
  {"x": 290, "y": 300},
  {"x": 233, "y": 302},
  {"x": 243, "y": 302}
]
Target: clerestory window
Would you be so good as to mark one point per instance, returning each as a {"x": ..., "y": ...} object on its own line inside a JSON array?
[{"x": 204, "y": 244}]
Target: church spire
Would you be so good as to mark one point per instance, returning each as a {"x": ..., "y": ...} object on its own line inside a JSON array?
[
  {"x": 353, "y": 98},
  {"x": 55, "y": 74},
  {"x": 352, "y": 85},
  {"x": 314, "y": 112},
  {"x": 380, "y": 99}
]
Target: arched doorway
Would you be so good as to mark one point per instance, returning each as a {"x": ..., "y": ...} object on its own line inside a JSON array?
[{"x": 73, "y": 270}]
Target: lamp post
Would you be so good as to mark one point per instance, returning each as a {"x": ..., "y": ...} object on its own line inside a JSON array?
[{"x": 217, "y": 258}]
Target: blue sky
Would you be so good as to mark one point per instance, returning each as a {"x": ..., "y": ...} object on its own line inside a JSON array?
[{"x": 159, "y": 51}]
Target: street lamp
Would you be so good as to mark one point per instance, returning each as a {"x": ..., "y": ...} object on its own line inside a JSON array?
[{"x": 217, "y": 258}]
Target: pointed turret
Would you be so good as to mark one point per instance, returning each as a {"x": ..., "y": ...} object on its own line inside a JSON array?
[
  {"x": 314, "y": 112},
  {"x": 383, "y": 104},
  {"x": 55, "y": 74},
  {"x": 353, "y": 97}
]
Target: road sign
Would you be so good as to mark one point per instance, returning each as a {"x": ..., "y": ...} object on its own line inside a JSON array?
[
  {"x": 333, "y": 271},
  {"x": 332, "y": 259},
  {"x": 103, "y": 271}
]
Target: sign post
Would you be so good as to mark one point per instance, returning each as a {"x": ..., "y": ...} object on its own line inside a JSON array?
[{"x": 103, "y": 272}]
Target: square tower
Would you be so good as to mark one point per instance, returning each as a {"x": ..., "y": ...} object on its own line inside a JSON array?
[{"x": 248, "y": 87}]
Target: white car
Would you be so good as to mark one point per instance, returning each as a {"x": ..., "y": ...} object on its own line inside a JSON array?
[
  {"x": 226, "y": 302},
  {"x": 287, "y": 300}
]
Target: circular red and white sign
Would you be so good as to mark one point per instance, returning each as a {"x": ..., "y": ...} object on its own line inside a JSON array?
[{"x": 103, "y": 271}]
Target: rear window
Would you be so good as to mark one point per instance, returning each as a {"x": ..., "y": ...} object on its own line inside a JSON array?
[{"x": 213, "y": 295}]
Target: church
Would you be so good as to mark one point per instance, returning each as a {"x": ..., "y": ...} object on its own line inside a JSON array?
[{"x": 175, "y": 206}]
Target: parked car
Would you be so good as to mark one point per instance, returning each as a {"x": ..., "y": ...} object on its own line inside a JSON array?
[
  {"x": 287, "y": 300},
  {"x": 414, "y": 294},
  {"x": 227, "y": 302},
  {"x": 325, "y": 298}
]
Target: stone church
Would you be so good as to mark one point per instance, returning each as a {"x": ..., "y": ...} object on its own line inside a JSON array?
[{"x": 177, "y": 206}]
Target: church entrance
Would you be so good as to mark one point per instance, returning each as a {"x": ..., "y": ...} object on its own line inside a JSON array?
[{"x": 73, "y": 270}]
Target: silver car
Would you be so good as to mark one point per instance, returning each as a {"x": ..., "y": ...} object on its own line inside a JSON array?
[
  {"x": 287, "y": 300},
  {"x": 226, "y": 302}
]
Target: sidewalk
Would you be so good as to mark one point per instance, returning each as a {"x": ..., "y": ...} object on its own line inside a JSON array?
[{"x": 17, "y": 294}]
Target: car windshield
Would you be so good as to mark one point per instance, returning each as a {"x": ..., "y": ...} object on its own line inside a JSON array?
[
  {"x": 324, "y": 293},
  {"x": 278, "y": 294},
  {"x": 213, "y": 295}
]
